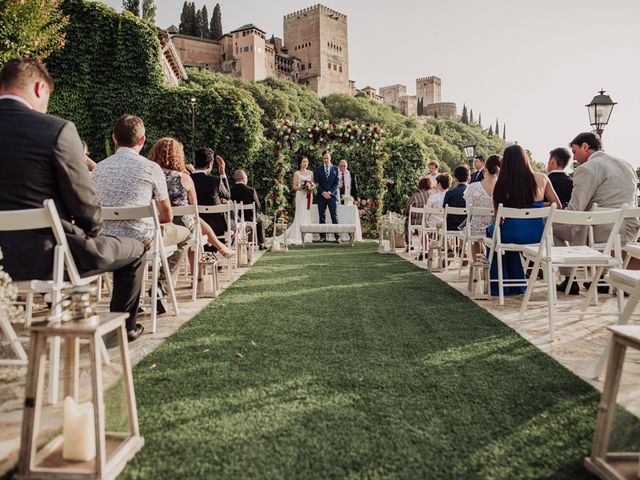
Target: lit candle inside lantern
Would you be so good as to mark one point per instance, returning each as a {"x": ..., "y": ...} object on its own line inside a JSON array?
[{"x": 78, "y": 431}]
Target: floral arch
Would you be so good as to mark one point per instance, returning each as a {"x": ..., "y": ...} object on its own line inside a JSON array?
[{"x": 323, "y": 135}]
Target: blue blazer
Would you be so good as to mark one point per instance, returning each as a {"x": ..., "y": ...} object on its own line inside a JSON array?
[{"x": 327, "y": 184}]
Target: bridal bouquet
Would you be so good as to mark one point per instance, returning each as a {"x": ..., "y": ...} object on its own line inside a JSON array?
[{"x": 311, "y": 188}]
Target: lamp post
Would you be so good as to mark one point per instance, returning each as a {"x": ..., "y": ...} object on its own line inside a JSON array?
[
  {"x": 194, "y": 102},
  {"x": 470, "y": 152},
  {"x": 600, "y": 110}
]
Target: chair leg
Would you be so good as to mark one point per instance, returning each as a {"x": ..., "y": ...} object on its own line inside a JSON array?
[
  {"x": 16, "y": 346},
  {"x": 533, "y": 276},
  {"x": 500, "y": 277},
  {"x": 170, "y": 284},
  {"x": 551, "y": 298},
  {"x": 196, "y": 273},
  {"x": 28, "y": 310},
  {"x": 154, "y": 293}
]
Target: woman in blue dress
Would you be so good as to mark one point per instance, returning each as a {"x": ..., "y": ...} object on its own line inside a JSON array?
[{"x": 518, "y": 186}]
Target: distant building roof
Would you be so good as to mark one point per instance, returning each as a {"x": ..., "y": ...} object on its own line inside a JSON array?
[
  {"x": 248, "y": 26},
  {"x": 173, "y": 29}
]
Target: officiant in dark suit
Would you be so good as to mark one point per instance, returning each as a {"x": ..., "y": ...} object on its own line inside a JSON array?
[
  {"x": 326, "y": 176},
  {"x": 210, "y": 189},
  {"x": 42, "y": 158},
  {"x": 348, "y": 183}
]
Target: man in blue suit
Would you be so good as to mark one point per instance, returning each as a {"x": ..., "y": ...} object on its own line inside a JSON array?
[{"x": 326, "y": 176}]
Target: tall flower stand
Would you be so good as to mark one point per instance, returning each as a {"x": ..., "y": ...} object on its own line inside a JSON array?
[
  {"x": 110, "y": 451},
  {"x": 604, "y": 464},
  {"x": 280, "y": 224}
]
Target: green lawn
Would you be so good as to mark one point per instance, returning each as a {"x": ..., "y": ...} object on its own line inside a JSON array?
[{"x": 333, "y": 362}]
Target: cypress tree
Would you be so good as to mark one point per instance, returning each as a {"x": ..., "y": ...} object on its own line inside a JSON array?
[
  {"x": 149, "y": 11},
  {"x": 471, "y": 116},
  {"x": 204, "y": 22},
  {"x": 504, "y": 131},
  {"x": 435, "y": 114},
  {"x": 132, "y": 6},
  {"x": 437, "y": 131},
  {"x": 420, "y": 107},
  {"x": 465, "y": 117},
  {"x": 491, "y": 130},
  {"x": 480, "y": 119},
  {"x": 184, "y": 19},
  {"x": 216, "y": 23},
  {"x": 497, "y": 128},
  {"x": 194, "y": 24}
]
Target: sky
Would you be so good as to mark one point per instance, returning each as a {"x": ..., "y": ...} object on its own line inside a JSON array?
[{"x": 533, "y": 65}]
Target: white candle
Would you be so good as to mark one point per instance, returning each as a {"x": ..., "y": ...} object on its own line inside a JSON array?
[
  {"x": 386, "y": 246},
  {"x": 78, "y": 431}
]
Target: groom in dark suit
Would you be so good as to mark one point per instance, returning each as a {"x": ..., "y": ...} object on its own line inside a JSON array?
[{"x": 326, "y": 176}]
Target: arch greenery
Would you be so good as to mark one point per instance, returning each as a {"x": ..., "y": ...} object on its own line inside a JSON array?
[{"x": 365, "y": 140}]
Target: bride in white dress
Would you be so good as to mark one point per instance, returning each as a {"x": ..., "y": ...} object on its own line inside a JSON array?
[{"x": 303, "y": 214}]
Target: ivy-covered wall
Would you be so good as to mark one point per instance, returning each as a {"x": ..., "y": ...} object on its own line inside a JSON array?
[{"x": 111, "y": 66}]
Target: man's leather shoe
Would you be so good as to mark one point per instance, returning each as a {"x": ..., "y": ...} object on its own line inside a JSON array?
[
  {"x": 133, "y": 335},
  {"x": 338, "y": 240},
  {"x": 161, "y": 302},
  {"x": 322, "y": 240},
  {"x": 574, "y": 290},
  {"x": 262, "y": 247},
  {"x": 604, "y": 289}
]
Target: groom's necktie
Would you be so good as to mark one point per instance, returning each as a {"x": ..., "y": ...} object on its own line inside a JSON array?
[{"x": 326, "y": 171}]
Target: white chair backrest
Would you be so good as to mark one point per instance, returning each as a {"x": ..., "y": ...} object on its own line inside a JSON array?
[
  {"x": 133, "y": 213},
  {"x": 591, "y": 218},
  {"x": 17, "y": 220},
  {"x": 480, "y": 212},
  {"x": 185, "y": 210},
  {"x": 222, "y": 208},
  {"x": 245, "y": 207},
  {"x": 416, "y": 212},
  {"x": 456, "y": 211}
]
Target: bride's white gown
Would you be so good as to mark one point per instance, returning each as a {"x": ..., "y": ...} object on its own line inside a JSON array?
[{"x": 302, "y": 214}]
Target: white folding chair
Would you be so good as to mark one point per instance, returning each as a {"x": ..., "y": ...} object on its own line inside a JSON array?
[
  {"x": 416, "y": 226},
  {"x": 431, "y": 235},
  {"x": 196, "y": 243},
  {"x": 452, "y": 238},
  {"x": 468, "y": 238},
  {"x": 252, "y": 225},
  {"x": 550, "y": 257},
  {"x": 39, "y": 218},
  {"x": 497, "y": 248},
  {"x": 225, "y": 209},
  {"x": 156, "y": 257}
]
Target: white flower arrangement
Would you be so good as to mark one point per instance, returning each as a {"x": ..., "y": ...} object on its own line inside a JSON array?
[
  {"x": 347, "y": 199},
  {"x": 8, "y": 295}
]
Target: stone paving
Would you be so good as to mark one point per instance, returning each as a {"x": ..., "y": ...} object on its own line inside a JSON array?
[{"x": 12, "y": 378}]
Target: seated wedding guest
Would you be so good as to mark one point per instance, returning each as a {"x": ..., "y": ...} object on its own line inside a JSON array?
[
  {"x": 348, "y": 182},
  {"x": 91, "y": 165},
  {"x": 455, "y": 197},
  {"x": 518, "y": 186},
  {"x": 433, "y": 171},
  {"x": 169, "y": 154},
  {"x": 242, "y": 193},
  {"x": 436, "y": 199},
  {"x": 127, "y": 179},
  {"x": 418, "y": 200},
  {"x": 562, "y": 183},
  {"x": 480, "y": 194},
  {"x": 41, "y": 158},
  {"x": 600, "y": 178},
  {"x": 211, "y": 189},
  {"x": 478, "y": 164}
]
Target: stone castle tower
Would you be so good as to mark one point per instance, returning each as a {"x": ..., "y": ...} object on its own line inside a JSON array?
[
  {"x": 318, "y": 37},
  {"x": 429, "y": 90}
]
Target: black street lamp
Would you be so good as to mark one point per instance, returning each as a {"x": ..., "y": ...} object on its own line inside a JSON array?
[
  {"x": 194, "y": 103},
  {"x": 470, "y": 152},
  {"x": 600, "y": 110}
]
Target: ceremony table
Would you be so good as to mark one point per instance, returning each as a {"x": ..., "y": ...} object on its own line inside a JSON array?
[{"x": 347, "y": 215}]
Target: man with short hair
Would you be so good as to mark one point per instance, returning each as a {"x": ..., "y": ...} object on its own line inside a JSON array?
[
  {"x": 127, "y": 179},
  {"x": 326, "y": 176},
  {"x": 478, "y": 163},
  {"x": 348, "y": 183},
  {"x": 210, "y": 189},
  {"x": 433, "y": 172},
  {"x": 561, "y": 182},
  {"x": 600, "y": 178},
  {"x": 455, "y": 197},
  {"x": 42, "y": 158},
  {"x": 243, "y": 193}
]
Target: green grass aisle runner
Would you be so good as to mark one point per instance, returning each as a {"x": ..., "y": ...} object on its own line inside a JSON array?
[{"x": 332, "y": 362}]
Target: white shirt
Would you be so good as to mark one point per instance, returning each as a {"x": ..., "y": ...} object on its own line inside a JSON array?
[{"x": 17, "y": 99}]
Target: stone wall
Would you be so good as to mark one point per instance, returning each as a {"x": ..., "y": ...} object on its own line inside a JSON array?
[
  {"x": 198, "y": 52},
  {"x": 429, "y": 89},
  {"x": 392, "y": 94},
  {"x": 409, "y": 105},
  {"x": 444, "y": 110}
]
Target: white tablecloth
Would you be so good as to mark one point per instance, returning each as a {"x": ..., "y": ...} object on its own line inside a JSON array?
[{"x": 347, "y": 215}]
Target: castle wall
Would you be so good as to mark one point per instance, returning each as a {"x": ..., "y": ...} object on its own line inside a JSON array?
[
  {"x": 429, "y": 90},
  {"x": 444, "y": 110},
  {"x": 392, "y": 94},
  {"x": 409, "y": 105},
  {"x": 198, "y": 52}
]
